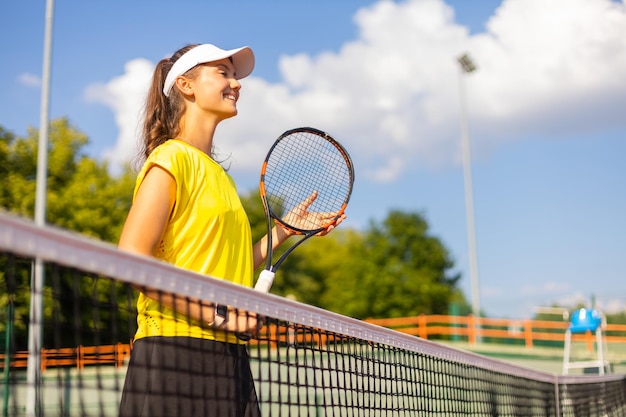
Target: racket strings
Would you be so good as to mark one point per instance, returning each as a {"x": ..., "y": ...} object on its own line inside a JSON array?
[{"x": 302, "y": 163}]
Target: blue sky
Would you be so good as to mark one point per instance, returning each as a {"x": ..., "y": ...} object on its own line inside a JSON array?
[{"x": 546, "y": 112}]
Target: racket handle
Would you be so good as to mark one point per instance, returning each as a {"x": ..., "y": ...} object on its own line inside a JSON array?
[{"x": 265, "y": 281}]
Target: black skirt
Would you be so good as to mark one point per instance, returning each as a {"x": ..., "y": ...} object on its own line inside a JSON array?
[{"x": 183, "y": 376}]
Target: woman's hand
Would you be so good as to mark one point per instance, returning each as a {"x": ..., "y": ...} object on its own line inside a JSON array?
[
  {"x": 242, "y": 322},
  {"x": 301, "y": 218}
]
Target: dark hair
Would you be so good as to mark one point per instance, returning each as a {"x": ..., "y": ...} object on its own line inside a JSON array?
[{"x": 162, "y": 114}]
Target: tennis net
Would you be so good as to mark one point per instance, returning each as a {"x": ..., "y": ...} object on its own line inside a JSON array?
[{"x": 305, "y": 361}]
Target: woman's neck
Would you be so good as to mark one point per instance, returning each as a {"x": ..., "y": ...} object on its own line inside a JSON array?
[{"x": 198, "y": 135}]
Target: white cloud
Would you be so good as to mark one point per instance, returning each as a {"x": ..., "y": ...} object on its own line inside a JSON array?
[
  {"x": 30, "y": 80},
  {"x": 550, "y": 66},
  {"x": 125, "y": 95},
  {"x": 391, "y": 95}
]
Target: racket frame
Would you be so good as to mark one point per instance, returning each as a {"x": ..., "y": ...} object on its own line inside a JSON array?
[
  {"x": 273, "y": 218},
  {"x": 266, "y": 277}
]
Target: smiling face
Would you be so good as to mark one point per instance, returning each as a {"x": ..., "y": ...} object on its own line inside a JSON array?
[{"x": 213, "y": 89}]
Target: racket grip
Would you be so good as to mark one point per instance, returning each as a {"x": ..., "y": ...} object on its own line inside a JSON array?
[{"x": 265, "y": 281}]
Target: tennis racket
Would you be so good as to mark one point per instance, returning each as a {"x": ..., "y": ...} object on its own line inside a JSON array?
[{"x": 306, "y": 182}]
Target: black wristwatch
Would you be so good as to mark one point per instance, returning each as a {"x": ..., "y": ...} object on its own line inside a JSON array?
[{"x": 221, "y": 315}]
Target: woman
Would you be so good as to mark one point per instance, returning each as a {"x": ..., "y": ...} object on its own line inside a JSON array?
[{"x": 186, "y": 360}]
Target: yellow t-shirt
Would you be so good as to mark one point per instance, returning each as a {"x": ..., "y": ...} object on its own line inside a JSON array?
[{"x": 208, "y": 232}]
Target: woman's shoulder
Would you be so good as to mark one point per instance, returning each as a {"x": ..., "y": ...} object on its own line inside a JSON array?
[
  {"x": 171, "y": 146},
  {"x": 169, "y": 155},
  {"x": 173, "y": 152},
  {"x": 177, "y": 156}
]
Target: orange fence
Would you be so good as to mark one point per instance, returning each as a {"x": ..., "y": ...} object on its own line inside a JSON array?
[
  {"x": 471, "y": 329},
  {"x": 77, "y": 357},
  {"x": 463, "y": 328}
]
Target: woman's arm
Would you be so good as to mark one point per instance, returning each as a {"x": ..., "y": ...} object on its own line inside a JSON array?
[
  {"x": 279, "y": 236},
  {"x": 149, "y": 213}
]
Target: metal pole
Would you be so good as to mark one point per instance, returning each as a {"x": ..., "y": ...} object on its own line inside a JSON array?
[
  {"x": 467, "y": 66},
  {"x": 35, "y": 325}
]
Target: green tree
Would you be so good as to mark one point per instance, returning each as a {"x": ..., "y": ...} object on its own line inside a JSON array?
[
  {"x": 393, "y": 269},
  {"x": 81, "y": 196},
  {"x": 616, "y": 318},
  {"x": 309, "y": 273},
  {"x": 403, "y": 270}
]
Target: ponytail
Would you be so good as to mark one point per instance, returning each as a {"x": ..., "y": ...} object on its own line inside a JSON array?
[{"x": 161, "y": 114}]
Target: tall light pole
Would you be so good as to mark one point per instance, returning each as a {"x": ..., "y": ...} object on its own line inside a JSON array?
[
  {"x": 35, "y": 325},
  {"x": 467, "y": 66}
]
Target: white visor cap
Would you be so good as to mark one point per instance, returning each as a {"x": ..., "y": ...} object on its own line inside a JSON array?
[{"x": 243, "y": 60}]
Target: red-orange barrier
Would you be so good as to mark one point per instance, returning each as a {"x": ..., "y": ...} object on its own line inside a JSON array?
[
  {"x": 468, "y": 328},
  {"x": 78, "y": 357}
]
